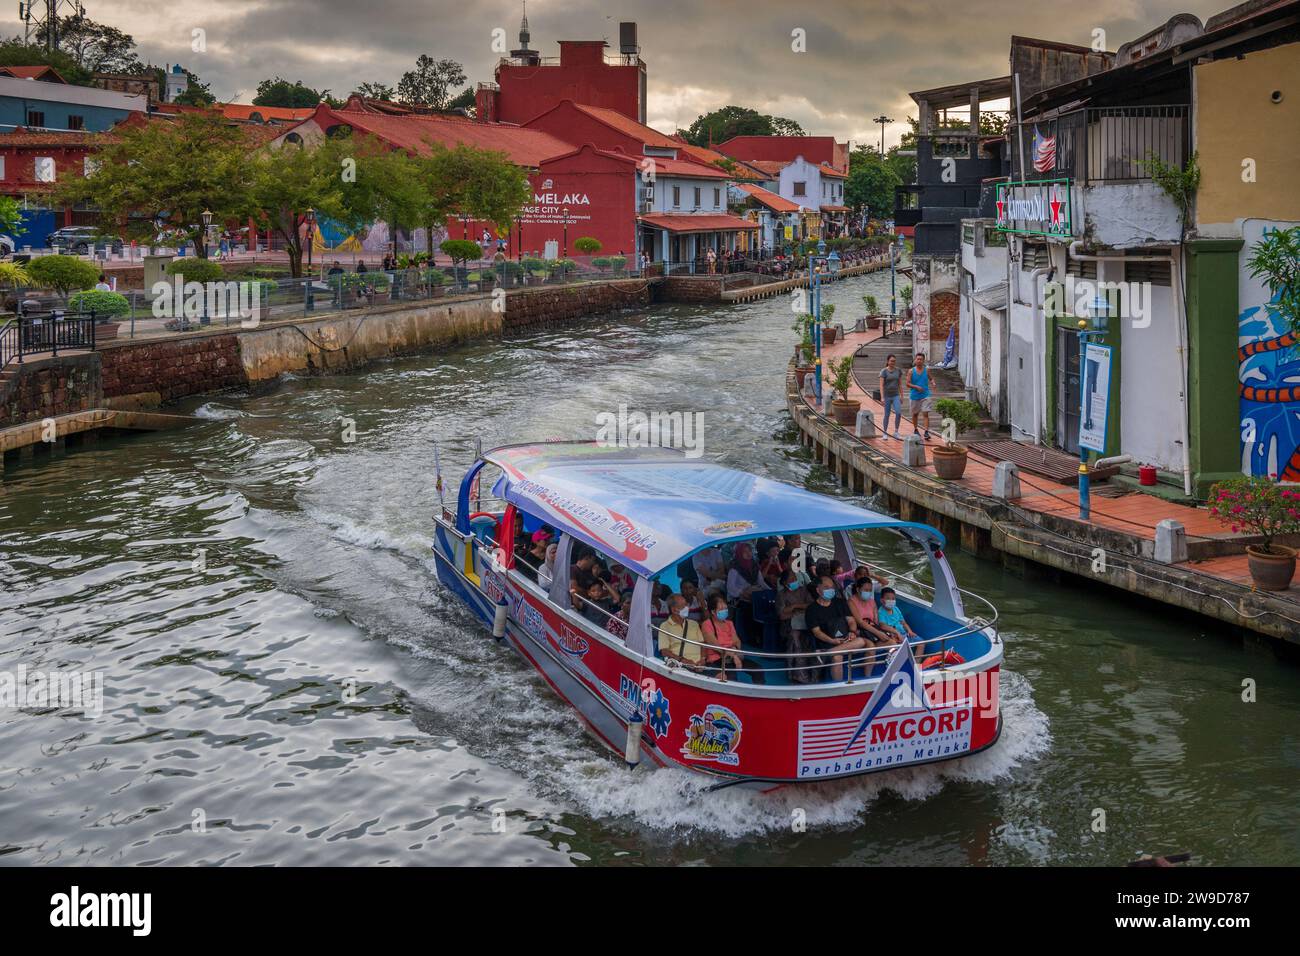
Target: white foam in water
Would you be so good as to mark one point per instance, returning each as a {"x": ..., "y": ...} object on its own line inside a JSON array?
[
  {"x": 673, "y": 799},
  {"x": 218, "y": 412},
  {"x": 371, "y": 535}
]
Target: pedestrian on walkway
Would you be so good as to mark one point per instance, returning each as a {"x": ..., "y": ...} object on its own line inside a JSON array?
[
  {"x": 919, "y": 402},
  {"x": 890, "y": 376}
]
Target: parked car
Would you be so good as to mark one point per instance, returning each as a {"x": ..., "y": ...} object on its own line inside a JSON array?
[
  {"x": 79, "y": 240},
  {"x": 7, "y": 245}
]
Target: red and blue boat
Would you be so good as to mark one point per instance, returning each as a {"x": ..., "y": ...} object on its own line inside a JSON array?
[{"x": 930, "y": 699}]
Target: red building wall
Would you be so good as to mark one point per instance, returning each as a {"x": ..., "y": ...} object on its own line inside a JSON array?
[{"x": 582, "y": 76}]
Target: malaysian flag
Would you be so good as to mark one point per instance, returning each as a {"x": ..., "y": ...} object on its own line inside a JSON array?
[{"x": 1044, "y": 152}]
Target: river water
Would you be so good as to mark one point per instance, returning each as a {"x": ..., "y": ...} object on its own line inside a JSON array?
[{"x": 285, "y": 682}]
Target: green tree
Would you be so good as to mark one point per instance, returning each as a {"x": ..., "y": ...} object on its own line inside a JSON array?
[
  {"x": 430, "y": 83},
  {"x": 386, "y": 185},
  {"x": 14, "y": 52},
  {"x": 280, "y": 92},
  {"x": 197, "y": 93},
  {"x": 96, "y": 47},
  {"x": 470, "y": 183},
  {"x": 63, "y": 274},
  {"x": 163, "y": 176},
  {"x": 11, "y": 216},
  {"x": 288, "y": 184},
  {"x": 376, "y": 91},
  {"x": 587, "y": 245},
  {"x": 193, "y": 269},
  {"x": 464, "y": 100},
  {"x": 871, "y": 183},
  {"x": 729, "y": 121}
]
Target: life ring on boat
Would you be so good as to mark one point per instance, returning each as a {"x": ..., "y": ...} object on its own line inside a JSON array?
[{"x": 947, "y": 657}]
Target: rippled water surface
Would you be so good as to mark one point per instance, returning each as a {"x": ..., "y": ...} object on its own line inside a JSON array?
[{"x": 285, "y": 682}]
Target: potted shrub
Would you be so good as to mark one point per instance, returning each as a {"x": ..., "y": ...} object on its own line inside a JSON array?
[
  {"x": 1259, "y": 505},
  {"x": 587, "y": 245},
  {"x": 828, "y": 331},
  {"x": 106, "y": 306},
  {"x": 804, "y": 363},
  {"x": 873, "y": 311},
  {"x": 906, "y": 295},
  {"x": 844, "y": 409},
  {"x": 13, "y": 277},
  {"x": 617, "y": 263},
  {"x": 460, "y": 252},
  {"x": 601, "y": 262},
  {"x": 377, "y": 290},
  {"x": 950, "y": 457}
]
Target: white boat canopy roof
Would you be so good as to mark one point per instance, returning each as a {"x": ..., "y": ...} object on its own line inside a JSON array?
[{"x": 651, "y": 508}]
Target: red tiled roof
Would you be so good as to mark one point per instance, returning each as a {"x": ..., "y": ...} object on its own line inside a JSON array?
[
  {"x": 769, "y": 199},
  {"x": 70, "y": 138},
  {"x": 833, "y": 173},
  {"x": 39, "y": 72},
  {"x": 685, "y": 222},
  {"x": 835, "y": 208},
  {"x": 710, "y": 157},
  {"x": 628, "y": 126},
  {"x": 770, "y": 166},
  {"x": 815, "y": 149},
  {"x": 415, "y": 131},
  {"x": 245, "y": 111}
]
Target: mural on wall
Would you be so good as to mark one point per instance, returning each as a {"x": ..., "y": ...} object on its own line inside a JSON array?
[{"x": 1269, "y": 373}]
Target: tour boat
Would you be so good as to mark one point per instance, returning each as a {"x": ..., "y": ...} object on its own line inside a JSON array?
[{"x": 650, "y": 510}]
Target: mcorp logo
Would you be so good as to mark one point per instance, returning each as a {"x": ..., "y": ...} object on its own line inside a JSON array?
[{"x": 899, "y": 725}]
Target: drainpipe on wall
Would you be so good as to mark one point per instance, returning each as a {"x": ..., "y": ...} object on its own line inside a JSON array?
[
  {"x": 1036, "y": 304},
  {"x": 1175, "y": 285}
]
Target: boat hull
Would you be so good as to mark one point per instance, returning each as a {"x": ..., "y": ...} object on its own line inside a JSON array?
[{"x": 748, "y": 733}]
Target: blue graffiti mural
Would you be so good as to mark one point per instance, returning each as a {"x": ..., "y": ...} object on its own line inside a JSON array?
[{"x": 1270, "y": 392}]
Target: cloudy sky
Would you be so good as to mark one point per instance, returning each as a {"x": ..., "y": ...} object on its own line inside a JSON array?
[{"x": 862, "y": 56}]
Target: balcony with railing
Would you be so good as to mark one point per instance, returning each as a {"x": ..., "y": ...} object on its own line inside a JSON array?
[{"x": 1102, "y": 145}]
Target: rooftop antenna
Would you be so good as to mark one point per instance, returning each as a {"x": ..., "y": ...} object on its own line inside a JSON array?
[{"x": 43, "y": 15}]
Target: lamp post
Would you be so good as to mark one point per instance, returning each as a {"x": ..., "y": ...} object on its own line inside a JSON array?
[
  {"x": 882, "y": 119},
  {"x": 565, "y": 253},
  {"x": 206, "y": 216},
  {"x": 893, "y": 280},
  {"x": 816, "y": 277}
]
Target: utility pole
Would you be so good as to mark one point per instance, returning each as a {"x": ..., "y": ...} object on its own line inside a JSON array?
[
  {"x": 44, "y": 14},
  {"x": 882, "y": 119}
]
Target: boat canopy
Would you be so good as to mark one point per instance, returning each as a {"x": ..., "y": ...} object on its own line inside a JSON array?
[{"x": 651, "y": 508}]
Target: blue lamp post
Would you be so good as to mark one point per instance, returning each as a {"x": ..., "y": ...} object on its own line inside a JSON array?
[
  {"x": 893, "y": 284},
  {"x": 815, "y": 278}
]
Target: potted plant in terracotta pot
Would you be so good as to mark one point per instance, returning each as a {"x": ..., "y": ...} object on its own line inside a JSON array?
[
  {"x": 804, "y": 350},
  {"x": 828, "y": 330},
  {"x": 906, "y": 295},
  {"x": 950, "y": 457},
  {"x": 108, "y": 307},
  {"x": 873, "y": 311},
  {"x": 844, "y": 409},
  {"x": 1260, "y": 505}
]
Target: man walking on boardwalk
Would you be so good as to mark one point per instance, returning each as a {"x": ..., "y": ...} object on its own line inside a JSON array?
[{"x": 919, "y": 401}]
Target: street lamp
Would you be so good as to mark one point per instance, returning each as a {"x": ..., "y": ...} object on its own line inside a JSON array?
[
  {"x": 882, "y": 119},
  {"x": 893, "y": 280},
  {"x": 817, "y": 315},
  {"x": 206, "y": 216},
  {"x": 565, "y": 254},
  {"x": 309, "y": 300}
]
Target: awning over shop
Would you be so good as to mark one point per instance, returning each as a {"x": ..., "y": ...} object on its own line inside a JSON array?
[
  {"x": 992, "y": 297},
  {"x": 685, "y": 222}
]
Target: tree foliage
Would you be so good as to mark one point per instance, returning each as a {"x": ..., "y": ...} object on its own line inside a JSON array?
[
  {"x": 63, "y": 274},
  {"x": 376, "y": 91},
  {"x": 871, "y": 183},
  {"x": 162, "y": 176},
  {"x": 15, "y": 52},
  {"x": 280, "y": 92},
  {"x": 11, "y": 216},
  {"x": 475, "y": 184},
  {"x": 430, "y": 83},
  {"x": 729, "y": 121},
  {"x": 95, "y": 47}
]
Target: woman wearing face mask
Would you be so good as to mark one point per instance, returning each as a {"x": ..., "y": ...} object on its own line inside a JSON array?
[
  {"x": 792, "y": 601},
  {"x": 720, "y": 632},
  {"x": 742, "y": 581},
  {"x": 862, "y": 605}
]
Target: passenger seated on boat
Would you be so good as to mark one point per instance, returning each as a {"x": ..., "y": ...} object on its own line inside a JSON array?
[
  {"x": 536, "y": 555},
  {"x": 620, "y": 577},
  {"x": 771, "y": 566},
  {"x": 694, "y": 600},
  {"x": 602, "y": 601},
  {"x": 617, "y": 625},
  {"x": 680, "y": 638},
  {"x": 659, "y": 601},
  {"x": 742, "y": 581},
  {"x": 792, "y": 602},
  {"x": 862, "y": 605},
  {"x": 546, "y": 573},
  {"x": 720, "y": 633},
  {"x": 710, "y": 567},
  {"x": 891, "y": 617},
  {"x": 832, "y": 624}
]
